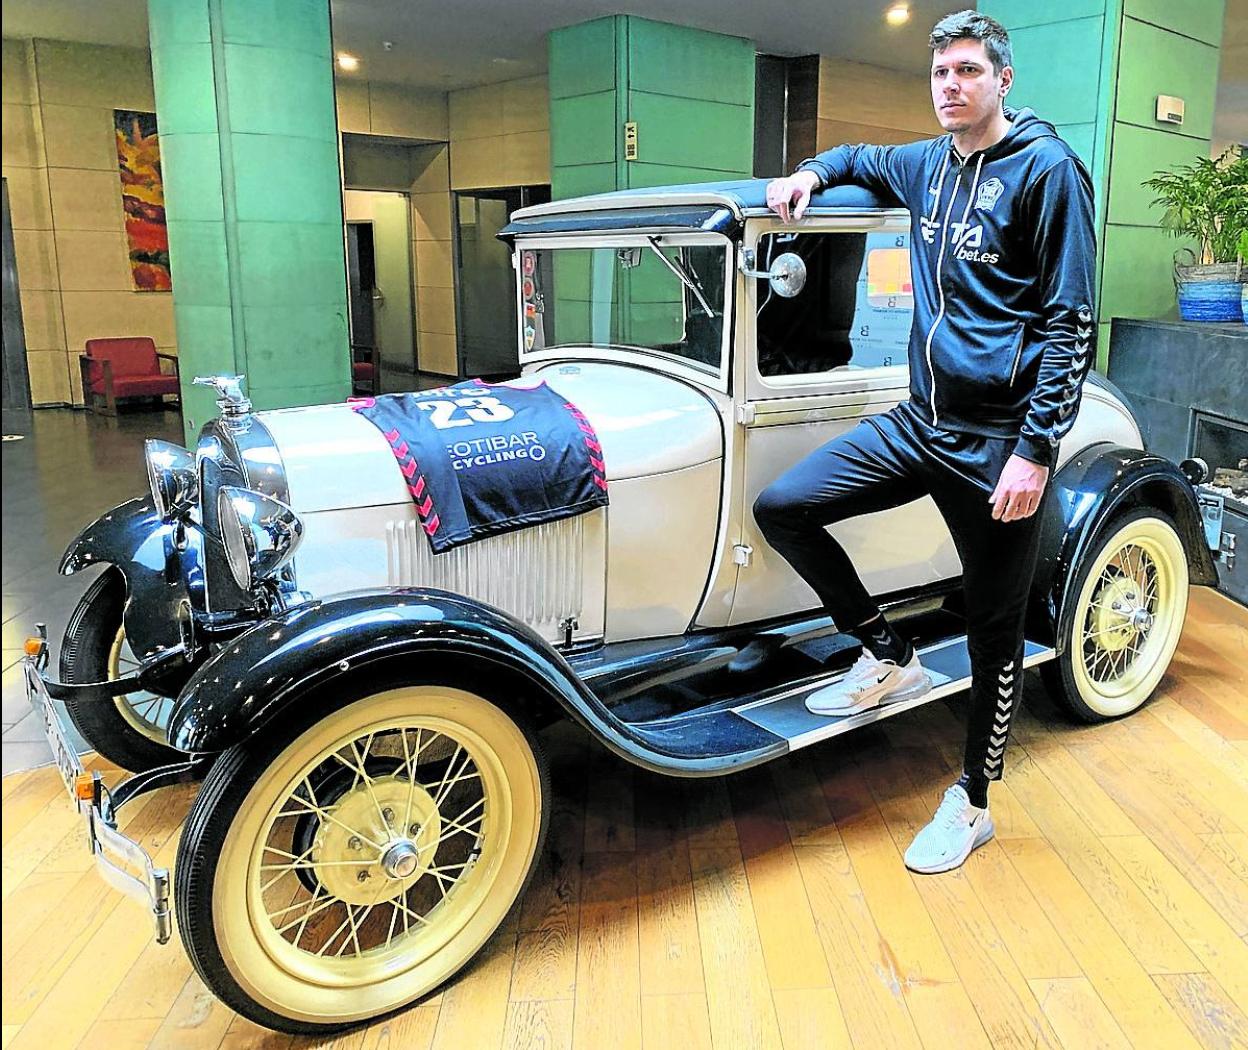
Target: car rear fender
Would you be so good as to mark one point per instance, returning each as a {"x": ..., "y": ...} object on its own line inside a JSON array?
[{"x": 1089, "y": 492}]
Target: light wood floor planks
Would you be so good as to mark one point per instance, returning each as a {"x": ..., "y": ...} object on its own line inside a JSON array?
[{"x": 769, "y": 910}]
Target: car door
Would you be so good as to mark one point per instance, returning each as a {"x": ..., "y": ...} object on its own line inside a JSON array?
[{"x": 820, "y": 363}]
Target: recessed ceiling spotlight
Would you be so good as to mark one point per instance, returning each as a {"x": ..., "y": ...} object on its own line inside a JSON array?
[
  {"x": 897, "y": 15},
  {"x": 347, "y": 63}
]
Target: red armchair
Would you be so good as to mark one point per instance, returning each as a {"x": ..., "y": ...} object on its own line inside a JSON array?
[
  {"x": 113, "y": 369},
  {"x": 365, "y": 370}
]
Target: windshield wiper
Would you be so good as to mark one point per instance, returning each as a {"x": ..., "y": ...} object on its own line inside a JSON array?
[{"x": 685, "y": 278}]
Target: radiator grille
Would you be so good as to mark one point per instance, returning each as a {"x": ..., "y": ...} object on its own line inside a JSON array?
[{"x": 535, "y": 574}]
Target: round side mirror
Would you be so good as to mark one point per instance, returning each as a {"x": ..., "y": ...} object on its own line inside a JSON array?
[{"x": 787, "y": 275}]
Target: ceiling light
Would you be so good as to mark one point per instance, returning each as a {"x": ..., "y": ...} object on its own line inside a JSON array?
[
  {"x": 347, "y": 63},
  {"x": 897, "y": 15}
]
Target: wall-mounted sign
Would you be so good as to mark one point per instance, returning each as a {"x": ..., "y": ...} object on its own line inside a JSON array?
[
  {"x": 1169, "y": 109},
  {"x": 630, "y": 140}
]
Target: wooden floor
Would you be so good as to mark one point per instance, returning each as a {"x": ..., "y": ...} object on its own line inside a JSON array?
[{"x": 771, "y": 909}]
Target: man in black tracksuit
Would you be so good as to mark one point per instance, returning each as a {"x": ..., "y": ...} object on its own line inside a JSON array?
[{"x": 1003, "y": 258}]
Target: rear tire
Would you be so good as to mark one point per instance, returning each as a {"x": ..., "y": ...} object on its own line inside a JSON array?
[
  {"x": 128, "y": 730},
  {"x": 1130, "y": 594}
]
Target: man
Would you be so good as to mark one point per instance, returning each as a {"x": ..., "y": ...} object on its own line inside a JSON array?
[{"x": 1002, "y": 255}]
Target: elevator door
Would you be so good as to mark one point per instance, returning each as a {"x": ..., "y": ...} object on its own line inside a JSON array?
[{"x": 485, "y": 285}]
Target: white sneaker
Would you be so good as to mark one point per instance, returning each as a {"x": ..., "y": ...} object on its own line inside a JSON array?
[
  {"x": 955, "y": 830},
  {"x": 869, "y": 683}
]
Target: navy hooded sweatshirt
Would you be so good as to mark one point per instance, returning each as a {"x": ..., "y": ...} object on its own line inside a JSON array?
[{"x": 1003, "y": 259}]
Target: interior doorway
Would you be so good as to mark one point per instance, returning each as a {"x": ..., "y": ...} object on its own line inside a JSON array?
[
  {"x": 485, "y": 284},
  {"x": 379, "y": 283}
]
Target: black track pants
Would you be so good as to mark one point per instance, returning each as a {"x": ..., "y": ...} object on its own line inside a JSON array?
[{"x": 889, "y": 460}]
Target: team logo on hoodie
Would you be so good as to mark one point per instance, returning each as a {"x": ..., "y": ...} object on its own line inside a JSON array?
[{"x": 988, "y": 195}]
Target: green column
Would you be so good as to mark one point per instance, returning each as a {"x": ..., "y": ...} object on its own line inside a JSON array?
[
  {"x": 1095, "y": 68},
  {"x": 690, "y": 93},
  {"x": 249, "y": 148}
]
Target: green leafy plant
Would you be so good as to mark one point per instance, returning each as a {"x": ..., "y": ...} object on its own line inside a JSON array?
[{"x": 1207, "y": 201}]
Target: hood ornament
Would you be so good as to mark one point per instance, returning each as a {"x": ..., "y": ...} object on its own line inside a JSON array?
[{"x": 233, "y": 403}]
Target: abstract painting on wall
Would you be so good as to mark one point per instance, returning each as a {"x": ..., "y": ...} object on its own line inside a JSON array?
[{"x": 143, "y": 197}]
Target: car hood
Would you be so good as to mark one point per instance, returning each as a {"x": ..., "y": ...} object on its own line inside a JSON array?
[{"x": 647, "y": 423}]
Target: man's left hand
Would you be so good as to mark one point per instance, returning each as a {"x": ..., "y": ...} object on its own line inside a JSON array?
[{"x": 1019, "y": 489}]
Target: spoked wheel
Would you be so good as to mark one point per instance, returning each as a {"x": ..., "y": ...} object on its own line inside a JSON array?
[
  {"x": 1131, "y": 600},
  {"x": 346, "y": 872},
  {"x": 130, "y": 729}
]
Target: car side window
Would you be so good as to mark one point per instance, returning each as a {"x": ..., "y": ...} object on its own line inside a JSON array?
[{"x": 854, "y": 311}]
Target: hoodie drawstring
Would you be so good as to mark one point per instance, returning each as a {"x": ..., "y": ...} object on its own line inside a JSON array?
[
  {"x": 971, "y": 196},
  {"x": 940, "y": 185}
]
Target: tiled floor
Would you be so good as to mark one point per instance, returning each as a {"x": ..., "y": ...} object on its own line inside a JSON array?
[{"x": 68, "y": 469}]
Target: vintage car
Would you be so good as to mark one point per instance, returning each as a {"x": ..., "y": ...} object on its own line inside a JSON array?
[{"x": 270, "y": 617}]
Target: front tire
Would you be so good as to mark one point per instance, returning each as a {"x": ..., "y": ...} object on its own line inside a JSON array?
[
  {"x": 128, "y": 730},
  {"x": 341, "y": 868},
  {"x": 1130, "y": 594}
]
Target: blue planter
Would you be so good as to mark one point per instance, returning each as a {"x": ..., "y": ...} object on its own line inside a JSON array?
[{"x": 1211, "y": 300}]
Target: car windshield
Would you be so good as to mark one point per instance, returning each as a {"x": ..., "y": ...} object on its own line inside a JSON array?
[{"x": 653, "y": 295}]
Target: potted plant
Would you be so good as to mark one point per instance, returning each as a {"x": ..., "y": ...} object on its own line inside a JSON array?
[{"x": 1207, "y": 201}]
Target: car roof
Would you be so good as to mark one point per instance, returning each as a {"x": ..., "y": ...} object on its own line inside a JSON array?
[
  {"x": 740, "y": 195},
  {"x": 717, "y": 206}
]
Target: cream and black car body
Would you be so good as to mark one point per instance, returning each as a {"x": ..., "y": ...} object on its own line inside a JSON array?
[{"x": 362, "y": 713}]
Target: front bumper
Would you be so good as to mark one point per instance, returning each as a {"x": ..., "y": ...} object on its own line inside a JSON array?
[{"x": 121, "y": 861}]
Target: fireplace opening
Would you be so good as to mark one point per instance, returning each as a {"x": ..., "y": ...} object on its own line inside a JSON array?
[{"x": 1223, "y": 444}]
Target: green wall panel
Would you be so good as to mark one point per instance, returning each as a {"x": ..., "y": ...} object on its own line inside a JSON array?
[
  {"x": 296, "y": 25},
  {"x": 1138, "y": 154},
  {"x": 244, "y": 92},
  {"x": 292, "y": 97},
  {"x": 1138, "y": 276},
  {"x": 297, "y": 397},
  {"x": 273, "y": 330},
  {"x": 643, "y": 174},
  {"x": 711, "y": 135},
  {"x": 1201, "y": 19},
  {"x": 172, "y": 22},
  {"x": 582, "y": 180},
  {"x": 582, "y": 129},
  {"x": 281, "y": 179},
  {"x": 200, "y": 250},
  {"x": 205, "y": 347},
  {"x": 1100, "y": 86},
  {"x": 1071, "y": 96},
  {"x": 1017, "y": 14},
  {"x": 1082, "y": 139},
  {"x": 191, "y": 166},
  {"x": 290, "y": 263},
  {"x": 189, "y": 104},
  {"x": 581, "y": 58},
  {"x": 1155, "y": 62},
  {"x": 690, "y": 92},
  {"x": 691, "y": 63}
]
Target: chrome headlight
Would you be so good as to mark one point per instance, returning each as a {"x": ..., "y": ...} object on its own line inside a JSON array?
[
  {"x": 172, "y": 476},
  {"x": 261, "y": 534}
]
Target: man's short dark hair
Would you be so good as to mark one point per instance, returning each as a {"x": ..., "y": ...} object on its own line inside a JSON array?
[{"x": 971, "y": 25}]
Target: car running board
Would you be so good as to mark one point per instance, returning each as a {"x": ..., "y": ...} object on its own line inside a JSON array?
[{"x": 784, "y": 713}]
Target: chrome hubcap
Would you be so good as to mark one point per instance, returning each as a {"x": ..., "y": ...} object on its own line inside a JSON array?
[
  {"x": 400, "y": 860},
  {"x": 1122, "y": 614}
]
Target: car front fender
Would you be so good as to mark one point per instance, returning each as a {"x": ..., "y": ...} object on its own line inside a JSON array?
[
  {"x": 160, "y": 573},
  {"x": 412, "y": 632},
  {"x": 1088, "y": 492}
]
